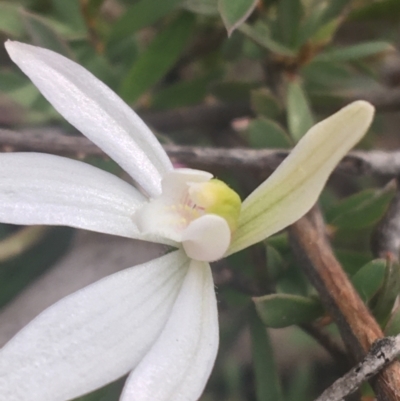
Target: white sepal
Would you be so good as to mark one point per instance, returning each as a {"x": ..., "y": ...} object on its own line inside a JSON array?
[
  {"x": 294, "y": 187},
  {"x": 93, "y": 336},
  {"x": 96, "y": 111},
  {"x": 180, "y": 362},
  {"x": 45, "y": 189}
]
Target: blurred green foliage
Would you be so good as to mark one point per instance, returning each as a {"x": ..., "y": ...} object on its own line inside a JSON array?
[{"x": 291, "y": 62}]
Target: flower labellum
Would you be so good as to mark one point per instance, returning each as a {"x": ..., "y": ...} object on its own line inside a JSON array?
[
  {"x": 195, "y": 209},
  {"x": 157, "y": 321}
]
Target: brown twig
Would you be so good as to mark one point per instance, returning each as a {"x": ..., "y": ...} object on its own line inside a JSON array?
[
  {"x": 385, "y": 241},
  {"x": 382, "y": 352},
  {"x": 53, "y": 141},
  {"x": 358, "y": 328}
]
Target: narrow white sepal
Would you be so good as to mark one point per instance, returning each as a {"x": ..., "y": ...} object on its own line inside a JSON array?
[
  {"x": 93, "y": 336},
  {"x": 178, "y": 365},
  {"x": 96, "y": 111},
  {"x": 39, "y": 188},
  {"x": 294, "y": 187}
]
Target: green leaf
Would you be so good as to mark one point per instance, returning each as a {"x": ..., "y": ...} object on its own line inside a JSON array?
[
  {"x": 43, "y": 35},
  {"x": 232, "y": 90},
  {"x": 265, "y": 103},
  {"x": 282, "y": 310},
  {"x": 10, "y": 20},
  {"x": 261, "y": 35},
  {"x": 203, "y": 7},
  {"x": 393, "y": 326},
  {"x": 183, "y": 93},
  {"x": 288, "y": 20},
  {"x": 275, "y": 262},
  {"x": 141, "y": 14},
  {"x": 18, "y": 272},
  {"x": 352, "y": 261},
  {"x": 69, "y": 12},
  {"x": 369, "y": 279},
  {"x": 158, "y": 58},
  {"x": 387, "y": 10},
  {"x": 299, "y": 115},
  {"x": 18, "y": 88},
  {"x": 389, "y": 293},
  {"x": 361, "y": 210},
  {"x": 355, "y": 52},
  {"x": 322, "y": 16},
  {"x": 301, "y": 382},
  {"x": 235, "y": 12},
  {"x": 268, "y": 386},
  {"x": 266, "y": 133}
]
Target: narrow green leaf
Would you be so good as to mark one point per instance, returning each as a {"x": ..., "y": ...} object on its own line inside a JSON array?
[
  {"x": 231, "y": 91},
  {"x": 14, "y": 275},
  {"x": 393, "y": 326},
  {"x": 265, "y": 103},
  {"x": 369, "y": 279},
  {"x": 260, "y": 34},
  {"x": 301, "y": 383},
  {"x": 10, "y": 20},
  {"x": 266, "y": 133},
  {"x": 352, "y": 261},
  {"x": 386, "y": 10},
  {"x": 235, "y": 12},
  {"x": 321, "y": 16},
  {"x": 288, "y": 20},
  {"x": 282, "y": 310},
  {"x": 299, "y": 115},
  {"x": 275, "y": 262},
  {"x": 70, "y": 13},
  {"x": 18, "y": 89},
  {"x": 362, "y": 209},
  {"x": 183, "y": 93},
  {"x": 268, "y": 387},
  {"x": 388, "y": 294},
  {"x": 43, "y": 35},
  {"x": 355, "y": 52},
  {"x": 158, "y": 58},
  {"x": 141, "y": 14},
  {"x": 203, "y": 7}
]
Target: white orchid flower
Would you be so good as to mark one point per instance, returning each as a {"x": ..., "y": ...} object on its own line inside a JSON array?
[{"x": 157, "y": 320}]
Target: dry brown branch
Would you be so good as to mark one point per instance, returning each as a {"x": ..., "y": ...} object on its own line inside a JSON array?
[
  {"x": 382, "y": 352},
  {"x": 385, "y": 241},
  {"x": 54, "y": 141},
  {"x": 358, "y": 328}
]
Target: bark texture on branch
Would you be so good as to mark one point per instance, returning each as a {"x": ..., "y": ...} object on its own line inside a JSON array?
[
  {"x": 357, "y": 326},
  {"x": 56, "y": 142}
]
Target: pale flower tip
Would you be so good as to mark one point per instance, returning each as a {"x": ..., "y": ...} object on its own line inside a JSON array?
[
  {"x": 364, "y": 109},
  {"x": 16, "y": 49}
]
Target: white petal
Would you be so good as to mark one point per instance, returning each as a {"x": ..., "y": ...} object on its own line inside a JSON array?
[
  {"x": 206, "y": 238},
  {"x": 176, "y": 181},
  {"x": 39, "y": 188},
  {"x": 294, "y": 187},
  {"x": 180, "y": 362},
  {"x": 93, "y": 336},
  {"x": 96, "y": 111},
  {"x": 165, "y": 215}
]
